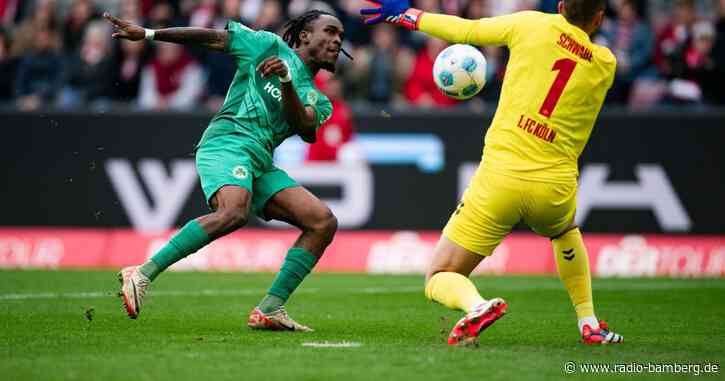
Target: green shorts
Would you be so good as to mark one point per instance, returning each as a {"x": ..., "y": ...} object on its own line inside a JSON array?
[{"x": 234, "y": 160}]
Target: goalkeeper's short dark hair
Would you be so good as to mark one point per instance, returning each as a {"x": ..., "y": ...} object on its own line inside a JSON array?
[{"x": 582, "y": 12}]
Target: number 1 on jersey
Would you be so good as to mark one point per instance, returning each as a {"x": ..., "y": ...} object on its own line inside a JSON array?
[{"x": 565, "y": 67}]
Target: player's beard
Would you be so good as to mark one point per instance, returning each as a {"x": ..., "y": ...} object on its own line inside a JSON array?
[
  {"x": 319, "y": 55},
  {"x": 331, "y": 67}
]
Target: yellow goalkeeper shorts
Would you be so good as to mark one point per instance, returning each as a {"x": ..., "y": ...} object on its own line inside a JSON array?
[{"x": 494, "y": 202}]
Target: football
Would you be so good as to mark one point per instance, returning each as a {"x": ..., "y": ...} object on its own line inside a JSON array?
[{"x": 459, "y": 71}]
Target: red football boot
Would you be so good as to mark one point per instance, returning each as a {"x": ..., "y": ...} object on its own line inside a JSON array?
[
  {"x": 467, "y": 330},
  {"x": 600, "y": 336}
]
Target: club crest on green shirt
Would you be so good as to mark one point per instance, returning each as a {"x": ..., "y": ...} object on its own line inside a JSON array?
[
  {"x": 312, "y": 97},
  {"x": 239, "y": 172}
]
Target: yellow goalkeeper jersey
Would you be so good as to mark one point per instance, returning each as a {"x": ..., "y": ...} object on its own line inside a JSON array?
[{"x": 555, "y": 83}]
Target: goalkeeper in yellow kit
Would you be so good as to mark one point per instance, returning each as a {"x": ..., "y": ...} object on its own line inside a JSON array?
[{"x": 556, "y": 81}]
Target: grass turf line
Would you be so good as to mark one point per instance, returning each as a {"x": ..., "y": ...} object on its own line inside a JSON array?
[{"x": 184, "y": 335}]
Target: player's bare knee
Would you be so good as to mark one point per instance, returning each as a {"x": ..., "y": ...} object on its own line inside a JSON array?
[
  {"x": 430, "y": 274},
  {"x": 231, "y": 219},
  {"x": 331, "y": 226},
  {"x": 324, "y": 223},
  {"x": 435, "y": 270},
  {"x": 327, "y": 225}
]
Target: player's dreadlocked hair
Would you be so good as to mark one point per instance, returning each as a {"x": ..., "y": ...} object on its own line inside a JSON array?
[{"x": 294, "y": 27}]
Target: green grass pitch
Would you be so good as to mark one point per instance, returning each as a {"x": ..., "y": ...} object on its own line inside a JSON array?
[{"x": 192, "y": 327}]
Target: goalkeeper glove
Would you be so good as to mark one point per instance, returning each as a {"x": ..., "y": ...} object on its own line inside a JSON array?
[{"x": 394, "y": 12}]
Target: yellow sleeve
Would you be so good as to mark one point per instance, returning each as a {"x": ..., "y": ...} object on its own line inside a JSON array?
[
  {"x": 614, "y": 71},
  {"x": 498, "y": 30}
]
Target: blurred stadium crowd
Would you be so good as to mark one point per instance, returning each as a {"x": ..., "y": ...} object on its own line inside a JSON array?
[{"x": 59, "y": 53}]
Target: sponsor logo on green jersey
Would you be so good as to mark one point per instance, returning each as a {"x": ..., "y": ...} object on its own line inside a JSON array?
[
  {"x": 273, "y": 91},
  {"x": 312, "y": 97},
  {"x": 240, "y": 172}
]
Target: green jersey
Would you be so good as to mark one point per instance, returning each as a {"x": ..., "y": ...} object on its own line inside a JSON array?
[{"x": 252, "y": 108}]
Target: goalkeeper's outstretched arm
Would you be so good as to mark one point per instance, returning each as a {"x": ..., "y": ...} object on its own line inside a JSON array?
[{"x": 482, "y": 32}]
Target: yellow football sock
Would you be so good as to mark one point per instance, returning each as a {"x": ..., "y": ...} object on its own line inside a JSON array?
[
  {"x": 572, "y": 262},
  {"x": 453, "y": 290}
]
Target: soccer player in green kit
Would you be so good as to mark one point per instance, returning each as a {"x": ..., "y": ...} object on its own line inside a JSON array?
[{"x": 271, "y": 98}]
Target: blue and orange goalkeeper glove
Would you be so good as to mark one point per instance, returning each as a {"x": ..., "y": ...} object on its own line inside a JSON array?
[{"x": 396, "y": 12}]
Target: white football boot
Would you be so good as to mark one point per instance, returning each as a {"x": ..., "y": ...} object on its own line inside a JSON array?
[{"x": 133, "y": 289}]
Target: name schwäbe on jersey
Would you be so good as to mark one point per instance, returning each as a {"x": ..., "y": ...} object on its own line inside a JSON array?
[{"x": 575, "y": 47}]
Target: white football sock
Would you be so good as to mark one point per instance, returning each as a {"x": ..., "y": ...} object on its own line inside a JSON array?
[
  {"x": 478, "y": 305},
  {"x": 590, "y": 321}
]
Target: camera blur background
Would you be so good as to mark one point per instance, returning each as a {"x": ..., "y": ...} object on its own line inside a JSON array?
[{"x": 58, "y": 54}]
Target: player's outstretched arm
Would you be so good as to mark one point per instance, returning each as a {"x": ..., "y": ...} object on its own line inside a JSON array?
[
  {"x": 209, "y": 38},
  {"x": 295, "y": 113},
  {"x": 487, "y": 31}
]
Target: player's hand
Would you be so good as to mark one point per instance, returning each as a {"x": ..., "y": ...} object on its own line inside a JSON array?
[
  {"x": 388, "y": 11},
  {"x": 273, "y": 65},
  {"x": 125, "y": 29}
]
